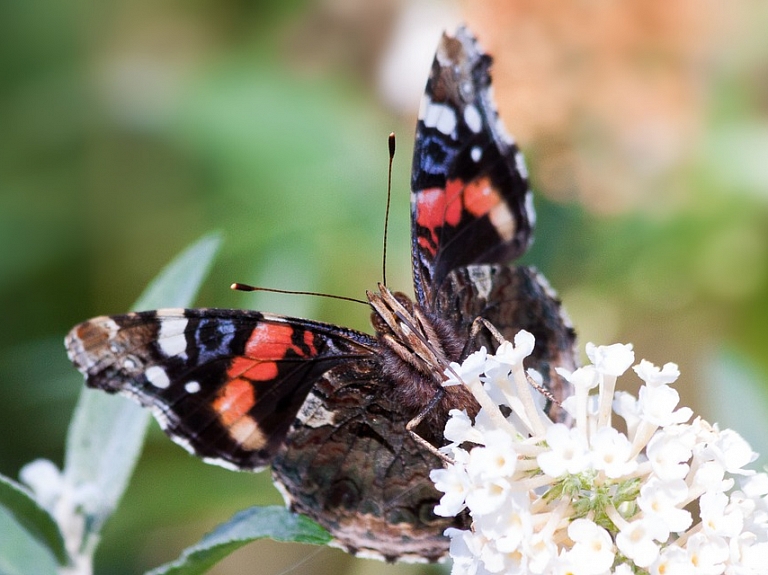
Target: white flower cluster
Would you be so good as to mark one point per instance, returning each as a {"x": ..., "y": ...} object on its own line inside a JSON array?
[{"x": 665, "y": 498}]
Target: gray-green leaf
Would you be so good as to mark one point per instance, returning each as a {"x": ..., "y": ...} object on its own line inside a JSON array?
[
  {"x": 254, "y": 523},
  {"x": 107, "y": 432},
  {"x": 21, "y": 504}
]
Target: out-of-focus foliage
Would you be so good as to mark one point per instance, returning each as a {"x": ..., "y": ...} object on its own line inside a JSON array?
[{"x": 127, "y": 129}]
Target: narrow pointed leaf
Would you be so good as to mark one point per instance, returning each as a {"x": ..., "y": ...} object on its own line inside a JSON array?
[
  {"x": 249, "y": 525},
  {"x": 37, "y": 522},
  {"x": 107, "y": 432}
]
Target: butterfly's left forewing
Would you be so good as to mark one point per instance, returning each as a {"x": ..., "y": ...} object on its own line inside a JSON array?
[{"x": 225, "y": 384}]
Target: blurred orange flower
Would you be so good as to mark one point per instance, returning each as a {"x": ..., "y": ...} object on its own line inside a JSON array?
[{"x": 608, "y": 97}]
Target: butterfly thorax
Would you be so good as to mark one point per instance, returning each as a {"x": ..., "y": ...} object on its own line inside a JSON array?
[{"x": 416, "y": 349}]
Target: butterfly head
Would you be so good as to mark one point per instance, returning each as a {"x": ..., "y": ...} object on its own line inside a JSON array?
[{"x": 416, "y": 349}]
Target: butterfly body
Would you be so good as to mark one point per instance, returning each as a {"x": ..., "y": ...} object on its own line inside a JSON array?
[{"x": 328, "y": 407}]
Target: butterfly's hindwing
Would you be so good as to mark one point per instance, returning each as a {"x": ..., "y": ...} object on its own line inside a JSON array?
[
  {"x": 349, "y": 463},
  {"x": 511, "y": 299}
]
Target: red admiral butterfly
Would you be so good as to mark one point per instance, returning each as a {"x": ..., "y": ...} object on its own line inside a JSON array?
[{"x": 327, "y": 407}]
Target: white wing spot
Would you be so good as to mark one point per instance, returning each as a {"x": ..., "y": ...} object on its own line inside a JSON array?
[
  {"x": 156, "y": 376},
  {"x": 424, "y": 105},
  {"x": 476, "y": 152},
  {"x": 501, "y": 132},
  {"x": 473, "y": 119},
  {"x": 441, "y": 117},
  {"x": 171, "y": 338},
  {"x": 503, "y": 221},
  {"x": 529, "y": 209},
  {"x": 192, "y": 386},
  {"x": 520, "y": 164}
]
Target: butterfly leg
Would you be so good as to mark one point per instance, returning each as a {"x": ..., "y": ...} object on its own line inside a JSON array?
[
  {"x": 480, "y": 323},
  {"x": 414, "y": 423}
]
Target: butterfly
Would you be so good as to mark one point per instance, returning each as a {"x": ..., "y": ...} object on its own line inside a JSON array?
[{"x": 328, "y": 407}]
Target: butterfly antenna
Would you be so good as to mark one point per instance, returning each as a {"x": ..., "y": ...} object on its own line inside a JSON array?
[
  {"x": 386, "y": 213},
  {"x": 245, "y": 287}
]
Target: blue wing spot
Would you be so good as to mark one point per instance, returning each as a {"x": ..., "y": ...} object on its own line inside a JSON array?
[{"x": 213, "y": 338}]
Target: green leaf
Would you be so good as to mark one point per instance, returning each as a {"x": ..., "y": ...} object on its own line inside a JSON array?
[
  {"x": 21, "y": 554},
  {"x": 249, "y": 525},
  {"x": 107, "y": 432},
  {"x": 38, "y": 523}
]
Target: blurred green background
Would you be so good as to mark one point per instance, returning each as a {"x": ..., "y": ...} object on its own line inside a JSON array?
[{"x": 129, "y": 129}]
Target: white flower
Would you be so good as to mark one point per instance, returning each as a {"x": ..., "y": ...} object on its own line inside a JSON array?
[
  {"x": 710, "y": 476},
  {"x": 459, "y": 428},
  {"x": 755, "y": 485},
  {"x": 496, "y": 459},
  {"x": 732, "y": 451},
  {"x": 640, "y": 540},
  {"x": 568, "y": 452},
  {"x": 611, "y": 359},
  {"x": 465, "y": 550},
  {"x": 668, "y": 456},
  {"x": 708, "y": 553},
  {"x": 653, "y": 376},
  {"x": 610, "y": 452},
  {"x": 488, "y": 497},
  {"x": 716, "y": 519},
  {"x": 514, "y": 355},
  {"x": 659, "y": 499},
  {"x": 593, "y": 547},
  {"x": 673, "y": 560},
  {"x": 541, "y": 552},
  {"x": 626, "y": 406},
  {"x": 510, "y": 528},
  {"x": 657, "y": 406},
  {"x": 469, "y": 370},
  {"x": 453, "y": 481},
  {"x": 586, "y": 377},
  {"x": 623, "y": 569},
  {"x": 752, "y": 555}
]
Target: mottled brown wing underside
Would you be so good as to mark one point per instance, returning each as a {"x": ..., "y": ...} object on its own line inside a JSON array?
[
  {"x": 349, "y": 463},
  {"x": 513, "y": 298}
]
